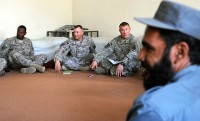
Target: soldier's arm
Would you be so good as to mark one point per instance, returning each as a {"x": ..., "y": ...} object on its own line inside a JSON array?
[
  {"x": 64, "y": 48},
  {"x": 92, "y": 47},
  {"x": 4, "y": 47},
  {"x": 133, "y": 53},
  {"x": 104, "y": 53},
  {"x": 32, "y": 50},
  {"x": 110, "y": 43}
]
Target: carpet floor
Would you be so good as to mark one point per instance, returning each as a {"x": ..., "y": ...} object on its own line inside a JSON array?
[{"x": 80, "y": 96}]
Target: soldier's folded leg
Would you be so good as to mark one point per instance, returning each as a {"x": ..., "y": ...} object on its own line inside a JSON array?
[
  {"x": 89, "y": 58},
  {"x": 72, "y": 63},
  {"x": 40, "y": 59}
]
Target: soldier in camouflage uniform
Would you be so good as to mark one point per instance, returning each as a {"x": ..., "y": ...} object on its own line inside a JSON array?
[
  {"x": 3, "y": 65},
  {"x": 19, "y": 53},
  {"x": 124, "y": 49},
  {"x": 76, "y": 53}
]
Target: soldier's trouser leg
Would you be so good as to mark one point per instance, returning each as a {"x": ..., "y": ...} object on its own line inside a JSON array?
[
  {"x": 128, "y": 70},
  {"x": 125, "y": 72},
  {"x": 104, "y": 67},
  {"x": 71, "y": 63},
  {"x": 18, "y": 60},
  {"x": 40, "y": 59},
  {"x": 87, "y": 60},
  {"x": 3, "y": 65}
]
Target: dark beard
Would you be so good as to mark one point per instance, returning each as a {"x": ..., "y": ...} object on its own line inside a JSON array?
[{"x": 160, "y": 74}]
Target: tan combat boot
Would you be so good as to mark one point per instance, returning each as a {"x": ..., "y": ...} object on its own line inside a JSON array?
[
  {"x": 38, "y": 68},
  {"x": 64, "y": 68},
  {"x": 28, "y": 70}
]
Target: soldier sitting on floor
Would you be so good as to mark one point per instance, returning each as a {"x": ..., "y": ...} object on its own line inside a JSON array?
[
  {"x": 76, "y": 53},
  {"x": 19, "y": 53},
  {"x": 123, "y": 50}
]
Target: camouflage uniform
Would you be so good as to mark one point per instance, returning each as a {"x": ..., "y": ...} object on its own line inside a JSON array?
[
  {"x": 124, "y": 50},
  {"x": 3, "y": 65},
  {"x": 73, "y": 54},
  {"x": 20, "y": 54}
]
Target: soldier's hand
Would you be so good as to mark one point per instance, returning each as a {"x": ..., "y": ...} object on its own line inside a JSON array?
[
  {"x": 119, "y": 70},
  {"x": 57, "y": 66},
  {"x": 93, "y": 65}
]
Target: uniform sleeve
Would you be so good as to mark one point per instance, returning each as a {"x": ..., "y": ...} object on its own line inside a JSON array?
[
  {"x": 92, "y": 47},
  {"x": 108, "y": 50},
  {"x": 63, "y": 50},
  {"x": 133, "y": 53},
  {"x": 4, "y": 47}
]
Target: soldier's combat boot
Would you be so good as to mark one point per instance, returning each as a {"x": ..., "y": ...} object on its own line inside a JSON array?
[
  {"x": 38, "y": 67},
  {"x": 28, "y": 70},
  {"x": 64, "y": 68}
]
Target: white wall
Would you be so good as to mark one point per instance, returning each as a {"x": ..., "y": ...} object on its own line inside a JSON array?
[
  {"x": 103, "y": 15},
  {"x": 38, "y": 16},
  {"x": 106, "y": 15}
]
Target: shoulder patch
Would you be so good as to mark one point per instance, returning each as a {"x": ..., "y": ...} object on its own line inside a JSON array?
[{"x": 3, "y": 48}]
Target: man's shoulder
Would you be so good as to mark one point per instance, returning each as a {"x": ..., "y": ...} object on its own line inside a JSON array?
[
  {"x": 27, "y": 40},
  {"x": 169, "y": 101},
  {"x": 171, "y": 96},
  {"x": 146, "y": 96},
  {"x": 131, "y": 38},
  {"x": 69, "y": 40},
  {"x": 87, "y": 38},
  {"x": 157, "y": 96},
  {"x": 11, "y": 38},
  {"x": 116, "y": 38}
]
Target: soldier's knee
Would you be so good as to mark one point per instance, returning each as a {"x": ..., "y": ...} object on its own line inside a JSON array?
[
  {"x": 89, "y": 57},
  {"x": 3, "y": 61}
]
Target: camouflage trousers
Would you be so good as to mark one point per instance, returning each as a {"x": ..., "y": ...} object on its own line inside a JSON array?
[
  {"x": 128, "y": 70},
  {"x": 17, "y": 60},
  {"x": 3, "y": 65},
  {"x": 74, "y": 63}
]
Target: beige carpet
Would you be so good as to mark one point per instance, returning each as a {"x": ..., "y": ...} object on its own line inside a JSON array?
[{"x": 51, "y": 96}]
